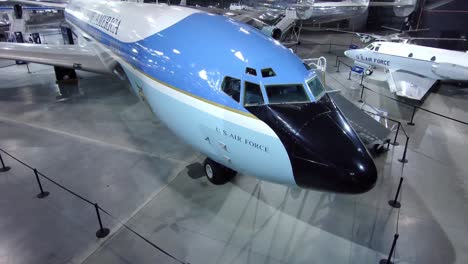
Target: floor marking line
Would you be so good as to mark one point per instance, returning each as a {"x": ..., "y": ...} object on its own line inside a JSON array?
[{"x": 92, "y": 140}]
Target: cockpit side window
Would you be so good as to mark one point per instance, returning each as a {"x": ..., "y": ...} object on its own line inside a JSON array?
[
  {"x": 232, "y": 87},
  {"x": 251, "y": 71},
  {"x": 253, "y": 94},
  {"x": 316, "y": 87},
  {"x": 268, "y": 73}
]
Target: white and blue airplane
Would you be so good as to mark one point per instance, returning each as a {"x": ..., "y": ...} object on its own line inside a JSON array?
[
  {"x": 411, "y": 69},
  {"x": 239, "y": 97}
]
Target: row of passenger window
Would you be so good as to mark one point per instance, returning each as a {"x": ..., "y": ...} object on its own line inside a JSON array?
[
  {"x": 376, "y": 48},
  {"x": 433, "y": 58}
]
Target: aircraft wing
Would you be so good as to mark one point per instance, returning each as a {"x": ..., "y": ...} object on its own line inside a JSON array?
[
  {"x": 40, "y": 3},
  {"x": 68, "y": 56},
  {"x": 339, "y": 4},
  {"x": 409, "y": 85}
]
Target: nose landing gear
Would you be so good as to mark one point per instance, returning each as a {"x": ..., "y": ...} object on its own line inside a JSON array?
[{"x": 216, "y": 173}]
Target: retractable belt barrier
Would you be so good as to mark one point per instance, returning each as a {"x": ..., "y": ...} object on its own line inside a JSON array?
[{"x": 102, "y": 231}]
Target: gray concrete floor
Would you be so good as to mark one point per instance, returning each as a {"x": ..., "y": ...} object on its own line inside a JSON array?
[{"x": 108, "y": 147}]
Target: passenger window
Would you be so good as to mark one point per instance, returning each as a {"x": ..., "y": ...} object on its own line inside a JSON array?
[
  {"x": 232, "y": 86},
  {"x": 253, "y": 94}
]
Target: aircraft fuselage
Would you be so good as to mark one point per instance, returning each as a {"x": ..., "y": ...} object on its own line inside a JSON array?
[{"x": 178, "y": 60}]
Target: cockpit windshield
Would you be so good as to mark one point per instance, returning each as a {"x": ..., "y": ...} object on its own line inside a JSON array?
[
  {"x": 370, "y": 47},
  {"x": 286, "y": 93},
  {"x": 316, "y": 88}
]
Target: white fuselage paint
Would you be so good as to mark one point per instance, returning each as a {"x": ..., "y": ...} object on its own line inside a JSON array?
[
  {"x": 237, "y": 140},
  {"x": 413, "y": 58}
]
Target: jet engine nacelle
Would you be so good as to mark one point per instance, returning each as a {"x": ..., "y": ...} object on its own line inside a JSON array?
[
  {"x": 273, "y": 32},
  {"x": 450, "y": 71}
]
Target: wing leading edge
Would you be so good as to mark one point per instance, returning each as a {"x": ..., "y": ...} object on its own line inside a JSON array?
[
  {"x": 68, "y": 56},
  {"x": 40, "y": 3}
]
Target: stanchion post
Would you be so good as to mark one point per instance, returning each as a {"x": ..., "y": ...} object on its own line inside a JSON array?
[
  {"x": 395, "y": 143},
  {"x": 3, "y": 168},
  {"x": 338, "y": 69},
  {"x": 102, "y": 232},
  {"x": 395, "y": 203},
  {"x": 362, "y": 95},
  {"x": 403, "y": 159},
  {"x": 362, "y": 78},
  {"x": 349, "y": 76},
  {"x": 411, "y": 123},
  {"x": 42, "y": 194},
  {"x": 389, "y": 259},
  {"x": 27, "y": 66}
]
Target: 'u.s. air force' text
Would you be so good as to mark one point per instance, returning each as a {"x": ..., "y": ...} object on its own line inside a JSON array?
[
  {"x": 374, "y": 60},
  {"x": 245, "y": 141},
  {"x": 108, "y": 23}
]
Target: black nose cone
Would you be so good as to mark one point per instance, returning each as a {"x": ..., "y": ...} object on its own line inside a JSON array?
[
  {"x": 328, "y": 155},
  {"x": 325, "y": 152}
]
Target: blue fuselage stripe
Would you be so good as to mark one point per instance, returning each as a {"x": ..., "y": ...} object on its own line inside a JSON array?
[{"x": 196, "y": 61}]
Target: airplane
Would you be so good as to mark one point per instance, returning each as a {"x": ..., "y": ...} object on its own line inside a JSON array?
[
  {"x": 411, "y": 69},
  {"x": 401, "y": 36},
  {"x": 239, "y": 97},
  {"x": 279, "y": 17}
]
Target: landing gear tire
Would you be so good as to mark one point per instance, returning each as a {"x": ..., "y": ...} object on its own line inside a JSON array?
[
  {"x": 369, "y": 72},
  {"x": 216, "y": 173}
]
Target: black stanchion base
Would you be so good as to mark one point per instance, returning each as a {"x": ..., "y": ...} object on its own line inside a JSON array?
[
  {"x": 410, "y": 124},
  {"x": 384, "y": 261},
  {"x": 5, "y": 169},
  {"x": 42, "y": 195},
  {"x": 394, "y": 204},
  {"x": 403, "y": 160},
  {"x": 395, "y": 144},
  {"x": 360, "y": 101},
  {"x": 101, "y": 233}
]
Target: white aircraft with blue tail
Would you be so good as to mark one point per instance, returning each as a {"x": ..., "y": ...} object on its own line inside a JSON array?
[{"x": 239, "y": 97}]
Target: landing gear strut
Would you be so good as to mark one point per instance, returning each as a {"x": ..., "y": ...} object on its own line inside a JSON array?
[{"x": 216, "y": 173}]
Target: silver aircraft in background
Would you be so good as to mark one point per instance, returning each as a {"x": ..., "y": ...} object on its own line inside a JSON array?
[{"x": 278, "y": 17}]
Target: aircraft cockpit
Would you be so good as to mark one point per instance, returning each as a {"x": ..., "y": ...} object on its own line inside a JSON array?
[
  {"x": 249, "y": 92},
  {"x": 373, "y": 47}
]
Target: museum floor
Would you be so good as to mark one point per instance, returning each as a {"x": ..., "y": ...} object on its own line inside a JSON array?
[{"x": 107, "y": 147}]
